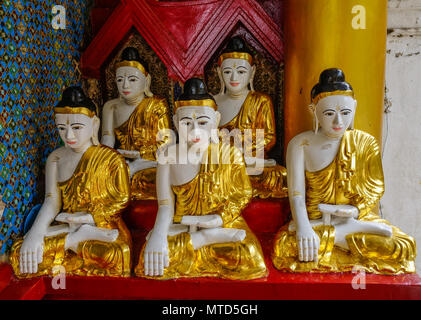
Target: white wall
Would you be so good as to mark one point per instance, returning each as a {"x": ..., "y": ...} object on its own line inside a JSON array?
[{"x": 401, "y": 203}]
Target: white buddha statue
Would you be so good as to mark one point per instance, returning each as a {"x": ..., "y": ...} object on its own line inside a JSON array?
[
  {"x": 247, "y": 111},
  {"x": 131, "y": 123},
  {"x": 335, "y": 180},
  {"x": 79, "y": 225},
  {"x": 202, "y": 189}
]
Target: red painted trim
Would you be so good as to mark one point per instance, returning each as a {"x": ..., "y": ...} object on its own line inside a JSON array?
[
  {"x": 30, "y": 289},
  {"x": 186, "y": 45},
  {"x": 6, "y": 275},
  {"x": 105, "y": 41}
]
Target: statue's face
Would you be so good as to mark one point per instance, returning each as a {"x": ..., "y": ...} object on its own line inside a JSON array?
[
  {"x": 76, "y": 130},
  {"x": 335, "y": 114},
  {"x": 236, "y": 74},
  {"x": 131, "y": 82},
  {"x": 195, "y": 123}
]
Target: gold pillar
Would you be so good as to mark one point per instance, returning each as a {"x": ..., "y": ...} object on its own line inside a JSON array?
[{"x": 320, "y": 34}]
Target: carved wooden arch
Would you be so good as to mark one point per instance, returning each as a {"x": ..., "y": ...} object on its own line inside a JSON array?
[{"x": 163, "y": 25}]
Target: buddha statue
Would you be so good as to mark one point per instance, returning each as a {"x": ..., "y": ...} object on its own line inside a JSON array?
[
  {"x": 202, "y": 188},
  {"x": 131, "y": 123},
  {"x": 335, "y": 181},
  {"x": 79, "y": 225},
  {"x": 244, "y": 112}
]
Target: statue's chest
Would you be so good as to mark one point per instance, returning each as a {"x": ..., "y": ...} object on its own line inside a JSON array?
[
  {"x": 229, "y": 110},
  {"x": 320, "y": 155},
  {"x": 122, "y": 114},
  {"x": 183, "y": 173},
  {"x": 67, "y": 166}
]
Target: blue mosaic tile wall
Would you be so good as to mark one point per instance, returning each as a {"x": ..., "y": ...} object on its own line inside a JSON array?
[{"x": 37, "y": 62}]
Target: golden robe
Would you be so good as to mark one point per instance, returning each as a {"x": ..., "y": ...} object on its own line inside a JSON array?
[
  {"x": 139, "y": 133},
  {"x": 222, "y": 189},
  {"x": 354, "y": 178},
  {"x": 100, "y": 186},
  {"x": 257, "y": 113}
]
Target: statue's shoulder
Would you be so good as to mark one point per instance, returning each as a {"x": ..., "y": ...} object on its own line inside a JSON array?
[
  {"x": 110, "y": 104},
  {"x": 156, "y": 99},
  {"x": 217, "y": 97},
  {"x": 102, "y": 148},
  {"x": 301, "y": 139},
  {"x": 362, "y": 138},
  {"x": 56, "y": 155},
  {"x": 261, "y": 96},
  {"x": 157, "y": 104},
  {"x": 104, "y": 152}
]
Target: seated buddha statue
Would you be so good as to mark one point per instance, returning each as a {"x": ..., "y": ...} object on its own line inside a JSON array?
[
  {"x": 131, "y": 123},
  {"x": 202, "y": 188},
  {"x": 335, "y": 180},
  {"x": 79, "y": 225},
  {"x": 245, "y": 112}
]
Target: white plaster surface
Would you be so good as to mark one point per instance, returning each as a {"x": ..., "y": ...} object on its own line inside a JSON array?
[{"x": 401, "y": 204}]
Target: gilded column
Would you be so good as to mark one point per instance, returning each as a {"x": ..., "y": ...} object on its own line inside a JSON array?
[{"x": 346, "y": 34}]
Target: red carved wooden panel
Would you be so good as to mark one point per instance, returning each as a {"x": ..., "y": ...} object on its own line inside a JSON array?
[{"x": 184, "y": 34}]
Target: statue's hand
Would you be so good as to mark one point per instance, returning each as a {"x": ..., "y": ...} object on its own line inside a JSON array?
[
  {"x": 31, "y": 252},
  {"x": 208, "y": 221},
  {"x": 131, "y": 154},
  {"x": 140, "y": 164},
  {"x": 345, "y": 211},
  {"x": 308, "y": 244},
  {"x": 156, "y": 256},
  {"x": 76, "y": 218}
]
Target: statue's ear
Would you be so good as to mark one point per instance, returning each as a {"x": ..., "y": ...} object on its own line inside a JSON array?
[
  {"x": 253, "y": 73},
  {"x": 217, "y": 118},
  {"x": 95, "y": 130},
  {"x": 215, "y": 131},
  {"x": 353, "y": 117},
  {"x": 221, "y": 80},
  {"x": 175, "y": 121},
  {"x": 148, "y": 91}
]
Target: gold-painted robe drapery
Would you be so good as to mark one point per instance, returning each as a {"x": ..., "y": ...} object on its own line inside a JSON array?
[
  {"x": 257, "y": 113},
  {"x": 139, "y": 133},
  {"x": 354, "y": 178},
  {"x": 222, "y": 189},
  {"x": 99, "y": 186}
]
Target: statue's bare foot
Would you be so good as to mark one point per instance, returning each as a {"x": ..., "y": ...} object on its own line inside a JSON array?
[
  {"x": 358, "y": 226},
  {"x": 86, "y": 233}
]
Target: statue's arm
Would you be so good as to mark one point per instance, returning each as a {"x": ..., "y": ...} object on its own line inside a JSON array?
[
  {"x": 165, "y": 198},
  {"x": 52, "y": 200},
  {"x": 108, "y": 137},
  {"x": 296, "y": 182},
  {"x": 156, "y": 255},
  {"x": 270, "y": 126},
  {"x": 308, "y": 242},
  {"x": 31, "y": 252}
]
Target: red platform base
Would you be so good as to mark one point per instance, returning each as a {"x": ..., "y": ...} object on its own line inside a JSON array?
[{"x": 276, "y": 286}]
